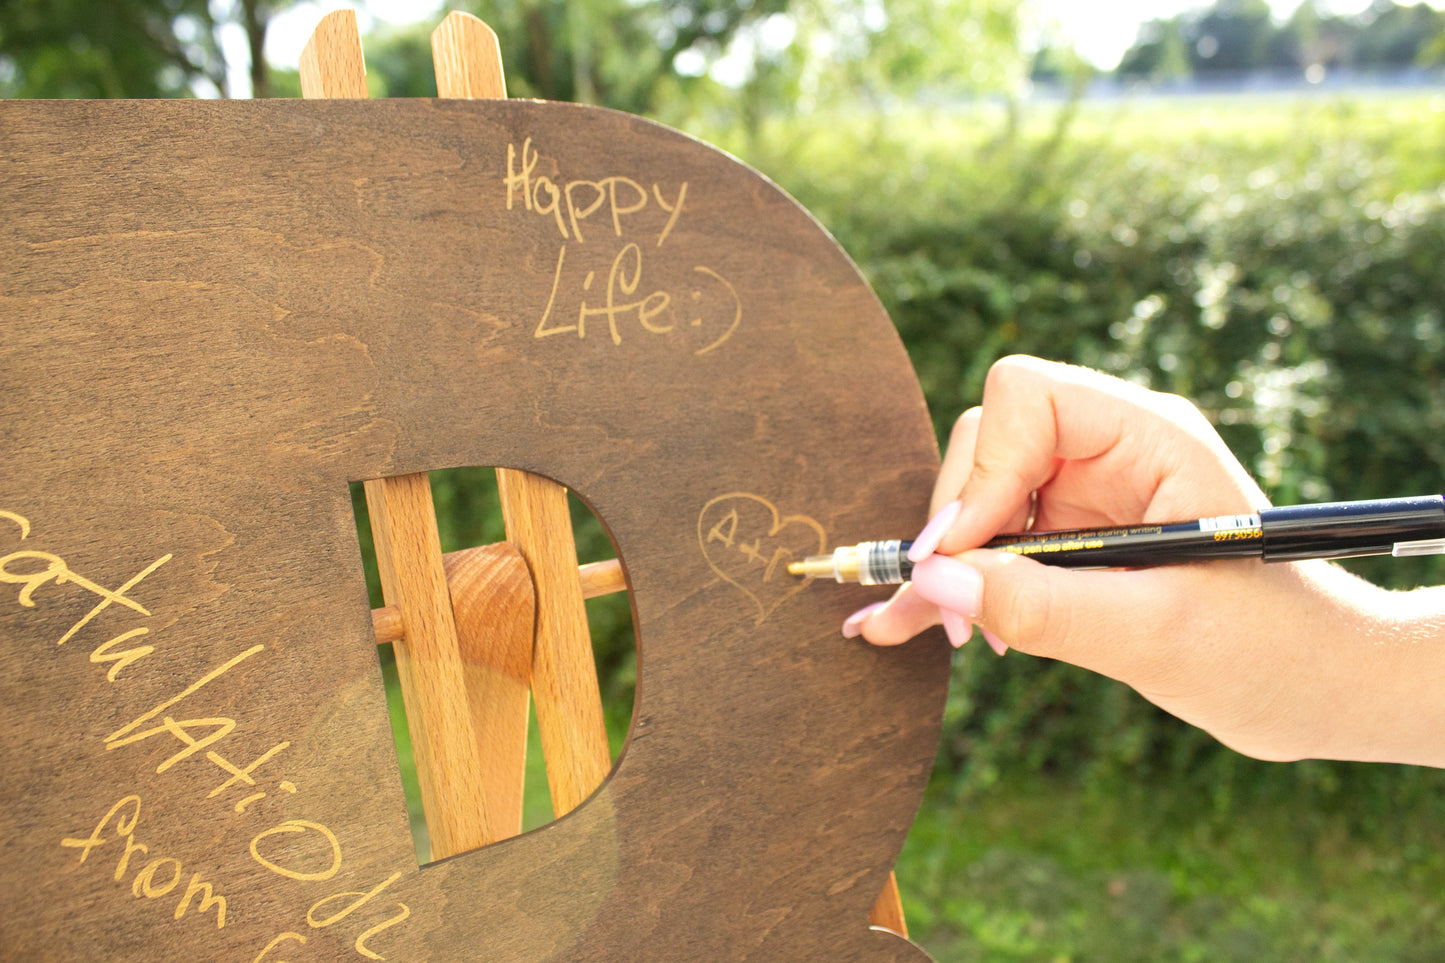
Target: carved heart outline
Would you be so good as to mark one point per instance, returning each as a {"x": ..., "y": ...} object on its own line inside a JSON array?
[{"x": 706, "y": 527}]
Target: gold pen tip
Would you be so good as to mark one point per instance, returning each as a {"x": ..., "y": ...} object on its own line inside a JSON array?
[{"x": 814, "y": 566}]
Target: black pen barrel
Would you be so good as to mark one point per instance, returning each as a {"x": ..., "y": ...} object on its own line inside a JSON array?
[
  {"x": 1414, "y": 525},
  {"x": 1388, "y": 526},
  {"x": 1347, "y": 529},
  {"x": 1140, "y": 545}
]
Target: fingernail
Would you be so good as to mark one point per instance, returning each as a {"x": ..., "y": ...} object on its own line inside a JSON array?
[
  {"x": 949, "y": 584},
  {"x": 853, "y": 624},
  {"x": 927, "y": 541},
  {"x": 959, "y": 629},
  {"x": 994, "y": 642}
]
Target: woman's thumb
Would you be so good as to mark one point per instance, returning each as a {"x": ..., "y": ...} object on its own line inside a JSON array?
[{"x": 1041, "y": 609}]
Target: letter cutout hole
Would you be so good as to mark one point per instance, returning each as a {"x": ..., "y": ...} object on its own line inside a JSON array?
[{"x": 469, "y": 515}]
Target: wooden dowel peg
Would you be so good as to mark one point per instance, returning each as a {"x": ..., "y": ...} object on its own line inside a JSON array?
[
  {"x": 386, "y": 624},
  {"x": 597, "y": 579},
  {"x": 601, "y": 578}
]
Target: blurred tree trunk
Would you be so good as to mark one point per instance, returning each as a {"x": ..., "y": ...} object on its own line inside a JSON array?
[
  {"x": 255, "y": 17},
  {"x": 617, "y": 53}
]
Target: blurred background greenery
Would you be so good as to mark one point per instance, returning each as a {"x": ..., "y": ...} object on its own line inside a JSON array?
[{"x": 1246, "y": 209}]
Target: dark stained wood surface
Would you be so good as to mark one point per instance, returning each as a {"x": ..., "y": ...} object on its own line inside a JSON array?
[{"x": 213, "y": 316}]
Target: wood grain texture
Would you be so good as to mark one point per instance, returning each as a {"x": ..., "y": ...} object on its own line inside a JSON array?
[
  {"x": 468, "y": 58},
  {"x": 386, "y": 624},
  {"x": 332, "y": 64},
  {"x": 214, "y": 316},
  {"x": 495, "y": 609},
  {"x": 601, "y": 578},
  {"x": 887, "y": 911},
  {"x": 564, "y": 674}
]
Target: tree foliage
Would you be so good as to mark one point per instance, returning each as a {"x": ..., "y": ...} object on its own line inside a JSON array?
[
  {"x": 618, "y": 53},
  {"x": 1239, "y": 36},
  {"x": 912, "y": 47},
  {"x": 128, "y": 48},
  {"x": 135, "y": 48}
]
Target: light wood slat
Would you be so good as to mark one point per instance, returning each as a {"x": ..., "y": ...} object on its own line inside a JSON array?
[
  {"x": 468, "y": 59},
  {"x": 564, "y": 673},
  {"x": 468, "y": 63},
  {"x": 429, "y": 664},
  {"x": 409, "y": 560},
  {"x": 331, "y": 62},
  {"x": 887, "y": 911}
]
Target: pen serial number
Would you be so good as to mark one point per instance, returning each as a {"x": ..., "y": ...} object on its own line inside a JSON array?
[{"x": 1239, "y": 534}]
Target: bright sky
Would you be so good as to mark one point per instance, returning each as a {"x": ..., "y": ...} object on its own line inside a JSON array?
[
  {"x": 289, "y": 30},
  {"x": 1100, "y": 31}
]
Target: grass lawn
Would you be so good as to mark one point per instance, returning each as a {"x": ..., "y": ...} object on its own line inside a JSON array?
[{"x": 1036, "y": 869}]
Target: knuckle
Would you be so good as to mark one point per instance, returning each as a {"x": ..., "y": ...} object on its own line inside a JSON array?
[
  {"x": 998, "y": 473},
  {"x": 965, "y": 425},
  {"x": 1024, "y": 611},
  {"x": 1011, "y": 373},
  {"x": 1181, "y": 411}
]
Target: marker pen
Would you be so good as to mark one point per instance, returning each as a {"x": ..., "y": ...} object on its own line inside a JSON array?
[{"x": 1387, "y": 526}]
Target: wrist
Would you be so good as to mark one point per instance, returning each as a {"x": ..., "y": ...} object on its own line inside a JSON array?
[{"x": 1381, "y": 666}]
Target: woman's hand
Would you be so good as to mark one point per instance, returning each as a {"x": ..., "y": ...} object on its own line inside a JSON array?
[{"x": 1280, "y": 661}]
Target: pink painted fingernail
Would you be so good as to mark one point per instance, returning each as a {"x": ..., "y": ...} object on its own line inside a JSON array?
[
  {"x": 949, "y": 584},
  {"x": 927, "y": 541},
  {"x": 959, "y": 629},
  {"x": 853, "y": 624},
  {"x": 994, "y": 642}
]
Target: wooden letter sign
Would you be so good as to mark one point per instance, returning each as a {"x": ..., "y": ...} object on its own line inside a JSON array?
[{"x": 215, "y": 316}]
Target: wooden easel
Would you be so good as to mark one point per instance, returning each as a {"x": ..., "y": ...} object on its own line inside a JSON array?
[
  {"x": 215, "y": 317},
  {"x": 467, "y": 647}
]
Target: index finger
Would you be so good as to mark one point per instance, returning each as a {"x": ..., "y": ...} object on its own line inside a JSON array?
[{"x": 1036, "y": 413}]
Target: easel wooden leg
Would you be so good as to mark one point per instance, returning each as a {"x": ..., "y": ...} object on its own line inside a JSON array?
[
  {"x": 887, "y": 912},
  {"x": 564, "y": 671},
  {"x": 408, "y": 551},
  {"x": 564, "y": 674},
  {"x": 429, "y": 663}
]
